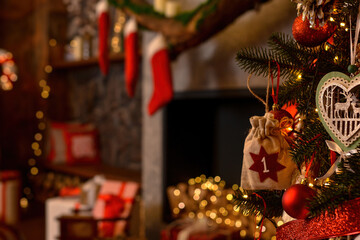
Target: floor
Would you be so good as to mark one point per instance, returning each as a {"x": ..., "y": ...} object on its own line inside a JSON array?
[{"x": 32, "y": 222}]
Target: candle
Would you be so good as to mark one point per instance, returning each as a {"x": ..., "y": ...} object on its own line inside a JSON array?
[
  {"x": 159, "y": 5},
  {"x": 172, "y": 8}
]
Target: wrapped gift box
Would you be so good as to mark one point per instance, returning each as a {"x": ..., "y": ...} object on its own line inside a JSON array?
[
  {"x": 115, "y": 200},
  {"x": 10, "y": 183}
]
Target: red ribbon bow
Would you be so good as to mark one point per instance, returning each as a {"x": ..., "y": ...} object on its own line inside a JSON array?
[{"x": 114, "y": 206}]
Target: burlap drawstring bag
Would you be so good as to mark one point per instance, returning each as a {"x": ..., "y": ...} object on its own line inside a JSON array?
[{"x": 266, "y": 163}]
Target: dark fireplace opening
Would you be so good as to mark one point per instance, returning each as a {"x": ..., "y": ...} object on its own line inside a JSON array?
[{"x": 205, "y": 134}]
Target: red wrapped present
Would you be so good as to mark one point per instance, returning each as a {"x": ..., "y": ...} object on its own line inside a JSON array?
[
  {"x": 69, "y": 191},
  {"x": 10, "y": 183},
  {"x": 73, "y": 143},
  {"x": 115, "y": 200}
]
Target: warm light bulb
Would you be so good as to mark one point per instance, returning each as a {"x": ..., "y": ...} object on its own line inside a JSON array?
[
  {"x": 46, "y": 88},
  {"x": 34, "y": 171},
  {"x": 176, "y": 211},
  {"x": 225, "y": 213},
  {"x": 48, "y": 69},
  {"x": 342, "y": 24},
  {"x": 191, "y": 181},
  {"x": 37, "y": 152},
  {"x": 331, "y": 19},
  {"x": 227, "y": 221},
  {"x": 213, "y": 198},
  {"x": 31, "y": 162},
  {"x": 197, "y": 191},
  {"x": 52, "y": 42},
  {"x": 44, "y": 94},
  {"x": 218, "y": 193},
  {"x": 24, "y": 203},
  {"x": 203, "y": 203},
  {"x": 238, "y": 223},
  {"x": 38, "y": 137},
  {"x": 39, "y": 114},
  {"x": 42, "y": 83},
  {"x": 176, "y": 192},
  {"x": 197, "y": 179},
  {"x": 229, "y": 197}
]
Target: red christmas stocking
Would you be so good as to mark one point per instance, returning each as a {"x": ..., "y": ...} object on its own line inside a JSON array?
[
  {"x": 102, "y": 10},
  {"x": 161, "y": 71},
  {"x": 131, "y": 55}
]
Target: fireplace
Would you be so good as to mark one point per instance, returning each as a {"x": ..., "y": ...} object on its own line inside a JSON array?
[{"x": 204, "y": 133}]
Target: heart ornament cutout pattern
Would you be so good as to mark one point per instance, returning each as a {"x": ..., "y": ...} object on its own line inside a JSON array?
[{"x": 337, "y": 101}]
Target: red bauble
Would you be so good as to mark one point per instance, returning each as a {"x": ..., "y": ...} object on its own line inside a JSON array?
[
  {"x": 285, "y": 119},
  {"x": 295, "y": 199},
  {"x": 311, "y": 37}
]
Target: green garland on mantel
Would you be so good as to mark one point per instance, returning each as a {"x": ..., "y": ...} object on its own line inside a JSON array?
[
  {"x": 136, "y": 8},
  {"x": 186, "y": 17},
  {"x": 210, "y": 6}
]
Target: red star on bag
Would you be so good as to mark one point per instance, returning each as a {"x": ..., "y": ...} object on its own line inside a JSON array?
[{"x": 266, "y": 165}]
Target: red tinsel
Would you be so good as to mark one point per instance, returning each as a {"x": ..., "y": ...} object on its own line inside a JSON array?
[{"x": 345, "y": 220}]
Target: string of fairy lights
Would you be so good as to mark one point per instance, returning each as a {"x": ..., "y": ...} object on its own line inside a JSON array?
[{"x": 38, "y": 140}]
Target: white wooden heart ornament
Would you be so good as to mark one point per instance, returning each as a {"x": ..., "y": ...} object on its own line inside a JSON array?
[{"x": 337, "y": 100}]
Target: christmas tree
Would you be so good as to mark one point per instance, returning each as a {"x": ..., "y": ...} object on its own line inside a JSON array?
[{"x": 319, "y": 66}]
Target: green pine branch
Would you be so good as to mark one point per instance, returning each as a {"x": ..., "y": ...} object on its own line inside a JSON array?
[
  {"x": 312, "y": 140},
  {"x": 343, "y": 186},
  {"x": 256, "y": 61},
  {"x": 145, "y": 9},
  {"x": 285, "y": 45},
  {"x": 252, "y": 204}
]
